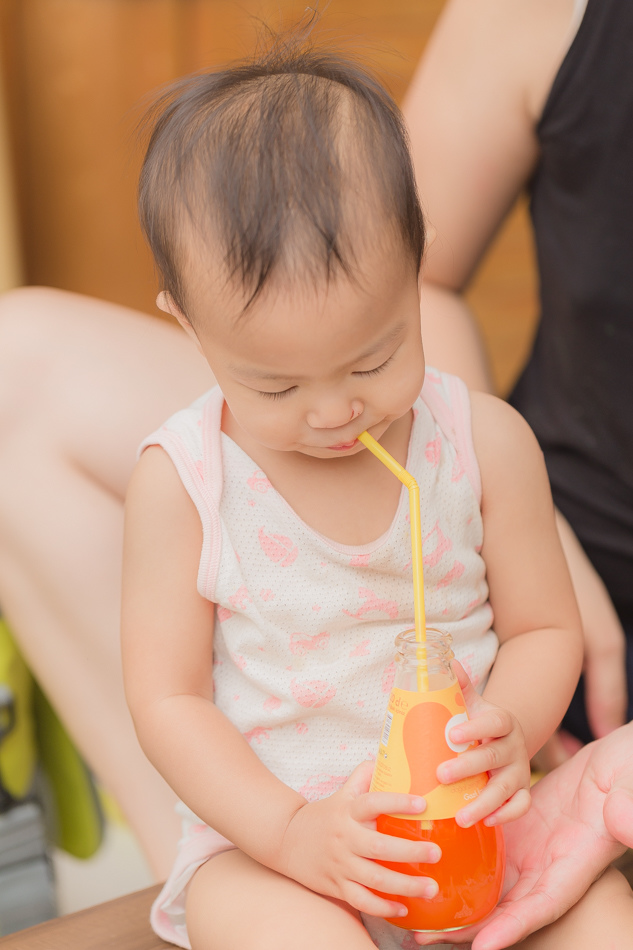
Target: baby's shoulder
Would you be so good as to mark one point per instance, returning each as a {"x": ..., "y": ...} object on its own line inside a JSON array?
[
  {"x": 505, "y": 446},
  {"x": 498, "y": 427},
  {"x": 156, "y": 486}
]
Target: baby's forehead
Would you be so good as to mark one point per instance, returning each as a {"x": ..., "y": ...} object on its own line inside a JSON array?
[{"x": 296, "y": 314}]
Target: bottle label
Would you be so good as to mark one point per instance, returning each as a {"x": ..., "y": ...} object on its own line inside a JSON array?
[{"x": 413, "y": 743}]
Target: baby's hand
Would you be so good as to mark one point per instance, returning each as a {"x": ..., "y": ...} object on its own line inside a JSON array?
[
  {"x": 502, "y": 754},
  {"x": 331, "y": 846}
]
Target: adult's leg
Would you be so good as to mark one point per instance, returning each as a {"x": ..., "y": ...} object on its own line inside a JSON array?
[
  {"x": 602, "y": 918},
  {"x": 234, "y": 902},
  {"x": 81, "y": 383}
]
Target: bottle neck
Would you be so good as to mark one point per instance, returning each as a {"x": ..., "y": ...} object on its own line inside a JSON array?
[{"x": 423, "y": 665}]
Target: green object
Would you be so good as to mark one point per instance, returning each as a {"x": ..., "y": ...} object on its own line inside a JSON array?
[
  {"x": 34, "y": 734},
  {"x": 77, "y": 812},
  {"x": 18, "y": 753}
]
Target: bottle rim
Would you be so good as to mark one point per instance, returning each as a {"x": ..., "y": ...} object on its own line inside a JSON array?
[{"x": 438, "y": 644}]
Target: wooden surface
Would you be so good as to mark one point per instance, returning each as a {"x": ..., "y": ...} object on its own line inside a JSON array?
[
  {"x": 77, "y": 75},
  {"x": 121, "y": 924}
]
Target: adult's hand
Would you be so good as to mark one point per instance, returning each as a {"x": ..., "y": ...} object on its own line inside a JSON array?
[{"x": 581, "y": 819}]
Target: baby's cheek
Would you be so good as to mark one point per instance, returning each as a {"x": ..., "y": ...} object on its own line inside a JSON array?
[
  {"x": 272, "y": 427},
  {"x": 403, "y": 391}
]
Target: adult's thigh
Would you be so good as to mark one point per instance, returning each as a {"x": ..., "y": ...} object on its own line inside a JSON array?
[
  {"x": 602, "y": 918},
  {"x": 90, "y": 379}
]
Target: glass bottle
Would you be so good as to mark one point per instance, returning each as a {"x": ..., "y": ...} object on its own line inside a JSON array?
[{"x": 426, "y": 702}]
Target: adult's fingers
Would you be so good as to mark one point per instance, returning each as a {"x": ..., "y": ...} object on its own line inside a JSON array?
[
  {"x": 618, "y": 812},
  {"x": 546, "y": 897}
]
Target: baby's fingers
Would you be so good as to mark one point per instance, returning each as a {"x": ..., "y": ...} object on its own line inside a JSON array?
[
  {"x": 492, "y": 723},
  {"x": 375, "y": 889},
  {"x": 389, "y": 883},
  {"x": 501, "y": 790},
  {"x": 514, "y": 808},
  {"x": 366, "y": 808},
  {"x": 367, "y": 902},
  {"x": 489, "y": 757},
  {"x": 471, "y": 697},
  {"x": 395, "y": 850}
]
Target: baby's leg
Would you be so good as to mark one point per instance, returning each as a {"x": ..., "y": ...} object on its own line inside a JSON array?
[
  {"x": 601, "y": 920},
  {"x": 81, "y": 383},
  {"x": 235, "y": 903}
]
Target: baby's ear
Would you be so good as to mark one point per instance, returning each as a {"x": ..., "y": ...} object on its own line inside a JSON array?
[{"x": 167, "y": 304}]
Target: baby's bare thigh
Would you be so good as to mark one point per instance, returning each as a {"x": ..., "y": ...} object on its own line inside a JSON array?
[
  {"x": 234, "y": 903},
  {"x": 602, "y": 919}
]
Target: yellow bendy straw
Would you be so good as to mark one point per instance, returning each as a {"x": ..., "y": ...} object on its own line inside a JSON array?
[{"x": 416, "y": 549}]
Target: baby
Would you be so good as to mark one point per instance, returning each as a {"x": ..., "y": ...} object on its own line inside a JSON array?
[{"x": 267, "y": 555}]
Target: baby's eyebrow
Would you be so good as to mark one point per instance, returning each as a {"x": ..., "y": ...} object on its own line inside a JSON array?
[
  {"x": 252, "y": 372},
  {"x": 390, "y": 337}
]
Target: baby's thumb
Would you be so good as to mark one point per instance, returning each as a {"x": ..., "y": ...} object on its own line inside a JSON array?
[
  {"x": 618, "y": 814},
  {"x": 470, "y": 694},
  {"x": 359, "y": 781}
]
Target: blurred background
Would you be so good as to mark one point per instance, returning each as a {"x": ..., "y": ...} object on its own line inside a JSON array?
[{"x": 76, "y": 77}]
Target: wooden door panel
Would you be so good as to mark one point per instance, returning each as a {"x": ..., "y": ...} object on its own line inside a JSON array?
[{"x": 77, "y": 74}]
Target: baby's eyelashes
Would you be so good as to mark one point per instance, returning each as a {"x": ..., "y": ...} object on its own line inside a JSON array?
[
  {"x": 277, "y": 395},
  {"x": 376, "y": 370}
]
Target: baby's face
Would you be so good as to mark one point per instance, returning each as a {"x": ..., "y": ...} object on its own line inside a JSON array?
[{"x": 308, "y": 368}]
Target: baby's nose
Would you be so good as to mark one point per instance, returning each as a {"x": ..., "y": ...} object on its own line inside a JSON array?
[{"x": 334, "y": 414}]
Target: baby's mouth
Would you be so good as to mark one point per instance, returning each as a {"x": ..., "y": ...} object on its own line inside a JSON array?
[{"x": 343, "y": 446}]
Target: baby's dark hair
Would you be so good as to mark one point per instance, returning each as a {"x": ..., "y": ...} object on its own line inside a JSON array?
[{"x": 277, "y": 160}]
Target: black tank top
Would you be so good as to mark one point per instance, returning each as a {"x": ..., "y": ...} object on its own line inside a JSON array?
[{"x": 577, "y": 388}]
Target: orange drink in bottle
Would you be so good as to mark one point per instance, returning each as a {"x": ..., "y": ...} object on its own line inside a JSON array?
[
  {"x": 414, "y": 742},
  {"x": 469, "y": 874}
]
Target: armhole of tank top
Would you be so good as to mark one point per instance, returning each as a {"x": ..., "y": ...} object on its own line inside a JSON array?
[
  {"x": 449, "y": 402},
  {"x": 567, "y": 52},
  {"x": 203, "y": 499},
  {"x": 213, "y": 478}
]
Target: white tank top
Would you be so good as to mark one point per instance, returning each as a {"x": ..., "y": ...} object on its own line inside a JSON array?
[{"x": 305, "y": 627}]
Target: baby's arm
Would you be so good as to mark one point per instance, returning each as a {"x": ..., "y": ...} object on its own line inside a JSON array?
[
  {"x": 535, "y": 615},
  {"x": 167, "y": 639}
]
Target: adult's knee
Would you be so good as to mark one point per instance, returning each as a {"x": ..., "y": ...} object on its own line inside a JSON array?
[
  {"x": 32, "y": 329},
  {"x": 29, "y": 319}
]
